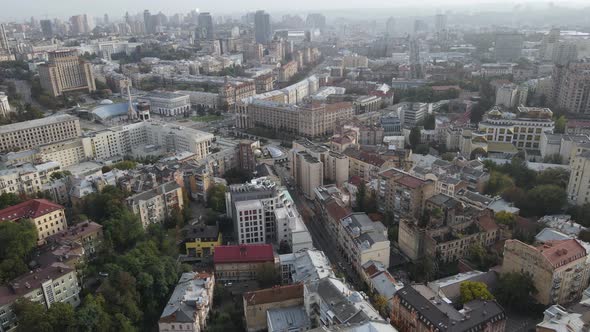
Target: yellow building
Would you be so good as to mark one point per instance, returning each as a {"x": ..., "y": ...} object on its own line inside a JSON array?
[
  {"x": 200, "y": 240},
  {"x": 49, "y": 218}
]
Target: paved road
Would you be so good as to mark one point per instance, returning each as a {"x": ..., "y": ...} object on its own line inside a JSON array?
[{"x": 319, "y": 234}]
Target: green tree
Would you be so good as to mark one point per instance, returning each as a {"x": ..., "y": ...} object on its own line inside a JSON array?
[
  {"x": 380, "y": 303},
  {"x": 267, "y": 275},
  {"x": 473, "y": 290},
  {"x": 581, "y": 214},
  {"x": 62, "y": 317},
  {"x": 17, "y": 241},
  {"x": 9, "y": 199},
  {"x": 543, "y": 200},
  {"x": 555, "y": 176},
  {"x": 515, "y": 290},
  {"x": 560, "y": 125},
  {"x": 31, "y": 316},
  {"x": 498, "y": 183},
  {"x": 216, "y": 198},
  {"x": 449, "y": 156},
  {"x": 505, "y": 218},
  {"x": 361, "y": 197},
  {"x": 429, "y": 122},
  {"x": 125, "y": 165},
  {"x": 423, "y": 270},
  {"x": 92, "y": 315},
  {"x": 415, "y": 137}
]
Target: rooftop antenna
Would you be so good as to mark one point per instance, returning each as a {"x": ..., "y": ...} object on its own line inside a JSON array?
[{"x": 131, "y": 115}]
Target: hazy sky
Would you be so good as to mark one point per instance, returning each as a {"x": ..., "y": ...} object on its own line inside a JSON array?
[{"x": 19, "y": 9}]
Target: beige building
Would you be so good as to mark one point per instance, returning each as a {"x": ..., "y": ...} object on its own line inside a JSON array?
[
  {"x": 335, "y": 164},
  {"x": 402, "y": 193},
  {"x": 559, "y": 269},
  {"x": 578, "y": 187},
  {"x": 310, "y": 120},
  {"x": 189, "y": 305},
  {"x": 287, "y": 71},
  {"x": 30, "y": 134},
  {"x": 355, "y": 60},
  {"x": 26, "y": 179},
  {"x": 155, "y": 205},
  {"x": 571, "y": 87},
  {"x": 4, "y": 105},
  {"x": 242, "y": 262},
  {"x": 307, "y": 171},
  {"x": 49, "y": 218},
  {"x": 258, "y": 303},
  {"x": 46, "y": 285},
  {"x": 65, "y": 72},
  {"x": 66, "y": 153}
]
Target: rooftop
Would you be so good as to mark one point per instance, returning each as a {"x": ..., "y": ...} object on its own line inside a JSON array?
[
  {"x": 189, "y": 294},
  {"x": 274, "y": 294},
  {"x": 53, "y": 119},
  {"x": 32, "y": 208},
  {"x": 243, "y": 253}
]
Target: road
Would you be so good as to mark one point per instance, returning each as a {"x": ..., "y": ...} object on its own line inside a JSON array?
[{"x": 318, "y": 232}]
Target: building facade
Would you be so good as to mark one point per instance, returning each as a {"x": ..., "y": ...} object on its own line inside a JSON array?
[
  {"x": 155, "y": 205},
  {"x": 30, "y": 134},
  {"x": 65, "y": 72},
  {"x": 49, "y": 218}
]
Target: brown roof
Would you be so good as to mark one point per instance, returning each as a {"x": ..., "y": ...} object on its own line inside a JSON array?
[
  {"x": 29, "y": 281},
  {"x": 371, "y": 270},
  {"x": 487, "y": 223},
  {"x": 367, "y": 157},
  {"x": 562, "y": 252},
  {"x": 336, "y": 211},
  {"x": 275, "y": 294},
  {"x": 410, "y": 181}
]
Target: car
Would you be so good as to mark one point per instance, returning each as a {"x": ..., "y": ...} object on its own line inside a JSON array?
[{"x": 103, "y": 274}]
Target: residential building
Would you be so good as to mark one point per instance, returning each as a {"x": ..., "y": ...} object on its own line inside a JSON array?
[
  {"x": 287, "y": 71},
  {"x": 413, "y": 114},
  {"x": 65, "y": 72},
  {"x": 49, "y": 218},
  {"x": 559, "y": 269},
  {"x": 242, "y": 262},
  {"x": 557, "y": 318},
  {"x": 365, "y": 104},
  {"x": 46, "y": 285},
  {"x": 189, "y": 305},
  {"x": 304, "y": 266},
  {"x": 87, "y": 234},
  {"x": 508, "y": 47},
  {"x": 30, "y": 134},
  {"x": 27, "y": 179},
  {"x": 578, "y": 186},
  {"x": 155, "y": 205},
  {"x": 381, "y": 282},
  {"x": 507, "y": 95},
  {"x": 66, "y": 153},
  {"x": 355, "y": 60},
  {"x": 288, "y": 319},
  {"x": 335, "y": 164},
  {"x": 403, "y": 194},
  {"x": 231, "y": 92},
  {"x": 307, "y": 172},
  {"x": 262, "y": 27},
  {"x": 417, "y": 308},
  {"x": 168, "y": 103},
  {"x": 247, "y": 155},
  {"x": 571, "y": 87},
  {"x": 449, "y": 288},
  {"x": 4, "y": 105},
  {"x": 291, "y": 229},
  {"x": 362, "y": 240},
  {"x": 4, "y": 46},
  {"x": 200, "y": 240},
  {"x": 258, "y": 304}
]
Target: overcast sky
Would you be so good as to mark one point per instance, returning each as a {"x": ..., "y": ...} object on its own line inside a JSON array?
[{"x": 11, "y": 10}]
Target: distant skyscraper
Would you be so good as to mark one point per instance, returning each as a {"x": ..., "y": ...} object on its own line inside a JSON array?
[
  {"x": 390, "y": 26},
  {"x": 508, "y": 46},
  {"x": 262, "y": 29},
  {"x": 4, "y": 47},
  {"x": 419, "y": 26},
  {"x": 415, "y": 65},
  {"x": 47, "y": 28},
  {"x": 65, "y": 72},
  {"x": 80, "y": 24},
  {"x": 206, "y": 26},
  {"x": 440, "y": 23},
  {"x": 316, "y": 21},
  {"x": 147, "y": 21},
  {"x": 106, "y": 19}
]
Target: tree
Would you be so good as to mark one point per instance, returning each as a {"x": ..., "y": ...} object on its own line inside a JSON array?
[
  {"x": 423, "y": 270},
  {"x": 92, "y": 315},
  {"x": 581, "y": 214},
  {"x": 267, "y": 275},
  {"x": 515, "y": 290},
  {"x": 415, "y": 137},
  {"x": 125, "y": 165},
  {"x": 380, "y": 303},
  {"x": 429, "y": 122},
  {"x": 216, "y": 198},
  {"x": 498, "y": 183},
  {"x": 62, "y": 317},
  {"x": 17, "y": 241},
  {"x": 584, "y": 235},
  {"x": 474, "y": 290},
  {"x": 9, "y": 199},
  {"x": 556, "y": 176},
  {"x": 505, "y": 218},
  {"x": 543, "y": 200},
  {"x": 361, "y": 196},
  {"x": 560, "y": 125},
  {"x": 31, "y": 316},
  {"x": 449, "y": 156}
]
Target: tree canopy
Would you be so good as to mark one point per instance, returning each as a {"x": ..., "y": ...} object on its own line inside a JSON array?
[
  {"x": 216, "y": 198},
  {"x": 17, "y": 241},
  {"x": 515, "y": 290},
  {"x": 473, "y": 290}
]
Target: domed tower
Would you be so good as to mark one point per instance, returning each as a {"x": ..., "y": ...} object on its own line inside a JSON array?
[{"x": 143, "y": 111}]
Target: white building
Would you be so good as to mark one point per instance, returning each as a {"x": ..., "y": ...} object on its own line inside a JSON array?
[
  {"x": 291, "y": 229},
  {"x": 4, "y": 105},
  {"x": 168, "y": 103},
  {"x": 27, "y": 179},
  {"x": 507, "y": 95},
  {"x": 304, "y": 266},
  {"x": 251, "y": 222},
  {"x": 30, "y": 134}
]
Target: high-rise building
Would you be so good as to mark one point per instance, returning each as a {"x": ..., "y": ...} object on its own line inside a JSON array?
[
  {"x": 440, "y": 23},
  {"x": 316, "y": 21},
  {"x": 415, "y": 65},
  {"x": 4, "y": 47},
  {"x": 30, "y": 134},
  {"x": 571, "y": 87},
  {"x": 390, "y": 26},
  {"x": 80, "y": 24},
  {"x": 549, "y": 41},
  {"x": 105, "y": 20},
  {"x": 262, "y": 28},
  {"x": 508, "y": 46},
  {"x": 47, "y": 28},
  {"x": 64, "y": 72},
  {"x": 147, "y": 21},
  {"x": 206, "y": 27},
  {"x": 564, "y": 53}
]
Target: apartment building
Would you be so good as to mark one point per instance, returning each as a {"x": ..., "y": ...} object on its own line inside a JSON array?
[
  {"x": 304, "y": 266},
  {"x": 417, "y": 308},
  {"x": 571, "y": 86},
  {"x": 87, "y": 234},
  {"x": 49, "y": 218},
  {"x": 578, "y": 186},
  {"x": 66, "y": 153},
  {"x": 241, "y": 262},
  {"x": 507, "y": 95},
  {"x": 354, "y": 60},
  {"x": 200, "y": 240},
  {"x": 557, "y": 318},
  {"x": 232, "y": 92},
  {"x": 189, "y": 305},
  {"x": 168, "y": 103},
  {"x": 46, "y": 285},
  {"x": 155, "y": 205},
  {"x": 559, "y": 269},
  {"x": 523, "y": 129},
  {"x": 287, "y": 71},
  {"x": 65, "y": 72},
  {"x": 311, "y": 120},
  {"x": 26, "y": 179},
  {"x": 307, "y": 172},
  {"x": 291, "y": 229},
  {"x": 362, "y": 240},
  {"x": 30, "y": 134},
  {"x": 335, "y": 164},
  {"x": 258, "y": 303},
  {"x": 402, "y": 193}
]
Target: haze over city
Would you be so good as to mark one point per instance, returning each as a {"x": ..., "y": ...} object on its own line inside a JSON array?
[{"x": 323, "y": 166}]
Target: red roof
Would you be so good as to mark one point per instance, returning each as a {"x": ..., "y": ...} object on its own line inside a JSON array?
[
  {"x": 487, "y": 223},
  {"x": 410, "y": 181},
  {"x": 336, "y": 211},
  {"x": 32, "y": 208},
  {"x": 578, "y": 123},
  {"x": 243, "y": 253},
  {"x": 562, "y": 252}
]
